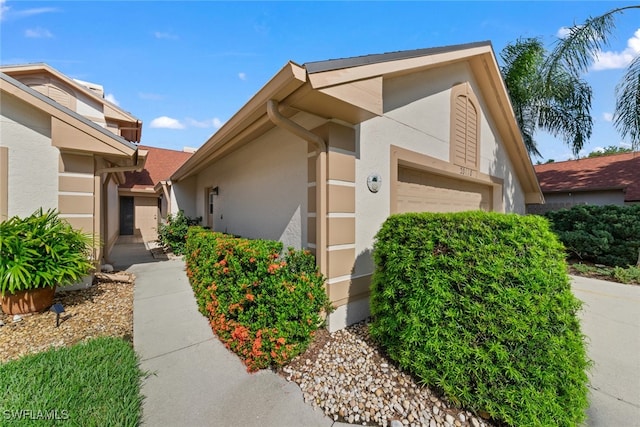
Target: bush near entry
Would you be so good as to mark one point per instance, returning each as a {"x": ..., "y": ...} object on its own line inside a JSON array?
[
  {"x": 264, "y": 306},
  {"x": 478, "y": 305},
  {"x": 607, "y": 235},
  {"x": 173, "y": 234}
]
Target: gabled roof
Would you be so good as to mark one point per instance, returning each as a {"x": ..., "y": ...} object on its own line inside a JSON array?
[
  {"x": 111, "y": 110},
  {"x": 161, "y": 163},
  {"x": 65, "y": 119},
  {"x": 619, "y": 171},
  {"x": 338, "y": 64},
  {"x": 351, "y": 90}
]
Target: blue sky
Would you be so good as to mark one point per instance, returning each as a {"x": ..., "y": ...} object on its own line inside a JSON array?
[{"x": 184, "y": 68}]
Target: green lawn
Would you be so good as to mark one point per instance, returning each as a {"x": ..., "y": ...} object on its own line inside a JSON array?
[{"x": 96, "y": 383}]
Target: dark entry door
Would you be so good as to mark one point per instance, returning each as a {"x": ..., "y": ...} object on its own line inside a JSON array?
[{"x": 126, "y": 216}]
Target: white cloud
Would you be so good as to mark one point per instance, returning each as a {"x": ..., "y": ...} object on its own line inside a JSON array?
[
  {"x": 165, "y": 35},
  {"x": 208, "y": 123},
  {"x": 112, "y": 99},
  {"x": 608, "y": 117},
  {"x": 3, "y": 9},
  {"x": 165, "y": 122},
  {"x": 614, "y": 60},
  {"x": 242, "y": 76},
  {"x": 35, "y": 11},
  {"x": 38, "y": 33},
  {"x": 7, "y": 12},
  {"x": 563, "y": 32}
]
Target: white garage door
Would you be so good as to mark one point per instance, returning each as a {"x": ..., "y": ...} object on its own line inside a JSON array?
[{"x": 419, "y": 191}]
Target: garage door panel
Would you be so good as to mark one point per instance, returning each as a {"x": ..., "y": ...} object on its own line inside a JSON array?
[{"x": 419, "y": 191}]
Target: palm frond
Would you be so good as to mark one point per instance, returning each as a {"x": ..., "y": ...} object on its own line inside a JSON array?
[
  {"x": 567, "y": 111},
  {"x": 576, "y": 51},
  {"x": 627, "y": 113}
]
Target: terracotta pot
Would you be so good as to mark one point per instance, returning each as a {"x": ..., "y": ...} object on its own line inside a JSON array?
[{"x": 29, "y": 301}]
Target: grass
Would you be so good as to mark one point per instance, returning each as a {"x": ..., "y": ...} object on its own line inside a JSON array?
[
  {"x": 629, "y": 275},
  {"x": 95, "y": 383}
]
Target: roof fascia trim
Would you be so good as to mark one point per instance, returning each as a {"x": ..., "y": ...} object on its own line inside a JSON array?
[{"x": 402, "y": 65}]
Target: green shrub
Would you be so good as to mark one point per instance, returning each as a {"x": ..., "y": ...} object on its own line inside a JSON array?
[
  {"x": 607, "y": 235},
  {"x": 173, "y": 234},
  {"x": 627, "y": 275},
  {"x": 263, "y": 305},
  {"x": 42, "y": 250},
  {"x": 478, "y": 305}
]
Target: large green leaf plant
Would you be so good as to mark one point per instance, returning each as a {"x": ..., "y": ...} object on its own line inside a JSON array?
[{"x": 42, "y": 250}]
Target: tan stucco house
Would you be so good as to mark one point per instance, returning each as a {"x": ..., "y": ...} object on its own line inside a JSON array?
[
  {"x": 144, "y": 195},
  {"x": 326, "y": 151},
  {"x": 63, "y": 146}
]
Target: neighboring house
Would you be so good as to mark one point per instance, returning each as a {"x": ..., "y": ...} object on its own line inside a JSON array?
[
  {"x": 326, "y": 151},
  {"x": 63, "y": 146},
  {"x": 144, "y": 196},
  {"x": 605, "y": 180}
]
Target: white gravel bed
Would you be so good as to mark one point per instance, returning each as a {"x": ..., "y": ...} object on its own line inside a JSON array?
[{"x": 351, "y": 381}]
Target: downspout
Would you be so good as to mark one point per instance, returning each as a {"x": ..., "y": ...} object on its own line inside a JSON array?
[
  {"x": 285, "y": 123},
  {"x": 321, "y": 177}
]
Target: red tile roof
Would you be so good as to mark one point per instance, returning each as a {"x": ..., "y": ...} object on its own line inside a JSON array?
[
  {"x": 619, "y": 171},
  {"x": 161, "y": 163}
]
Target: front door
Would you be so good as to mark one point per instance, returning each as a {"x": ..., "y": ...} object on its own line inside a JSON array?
[{"x": 126, "y": 216}]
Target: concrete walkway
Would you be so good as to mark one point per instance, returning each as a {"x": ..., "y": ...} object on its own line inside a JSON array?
[
  {"x": 611, "y": 321},
  {"x": 195, "y": 380}
]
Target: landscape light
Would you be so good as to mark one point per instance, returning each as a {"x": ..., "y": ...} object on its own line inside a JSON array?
[{"x": 57, "y": 308}]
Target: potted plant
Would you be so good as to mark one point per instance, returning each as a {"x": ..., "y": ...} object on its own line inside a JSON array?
[{"x": 38, "y": 253}]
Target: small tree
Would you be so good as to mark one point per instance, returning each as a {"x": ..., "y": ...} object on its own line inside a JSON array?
[{"x": 610, "y": 150}]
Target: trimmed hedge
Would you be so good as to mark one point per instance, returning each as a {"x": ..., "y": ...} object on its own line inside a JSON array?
[
  {"x": 478, "y": 305},
  {"x": 263, "y": 305},
  {"x": 607, "y": 235}
]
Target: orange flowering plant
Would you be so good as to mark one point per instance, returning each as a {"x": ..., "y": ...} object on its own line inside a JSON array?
[{"x": 262, "y": 303}]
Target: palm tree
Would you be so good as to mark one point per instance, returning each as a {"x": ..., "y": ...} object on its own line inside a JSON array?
[
  {"x": 576, "y": 53},
  {"x": 560, "y": 105}
]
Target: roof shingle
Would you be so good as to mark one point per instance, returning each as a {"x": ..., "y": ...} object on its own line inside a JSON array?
[
  {"x": 619, "y": 171},
  {"x": 161, "y": 163}
]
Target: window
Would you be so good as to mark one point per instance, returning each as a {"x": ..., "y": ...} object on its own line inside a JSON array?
[{"x": 465, "y": 127}]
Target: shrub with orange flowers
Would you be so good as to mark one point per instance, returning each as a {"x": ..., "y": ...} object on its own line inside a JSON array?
[{"x": 263, "y": 304}]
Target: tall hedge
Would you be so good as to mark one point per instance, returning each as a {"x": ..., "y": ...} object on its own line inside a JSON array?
[
  {"x": 263, "y": 305},
  {"x": 607, "y": 235},
  {"x": 478, "y": 305}
]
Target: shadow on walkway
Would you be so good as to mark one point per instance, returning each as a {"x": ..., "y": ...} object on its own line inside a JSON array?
[{"x": 131, "y": 250}]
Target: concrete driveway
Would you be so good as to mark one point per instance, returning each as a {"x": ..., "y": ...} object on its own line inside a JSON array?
[{"x": 611, "y": 321}]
